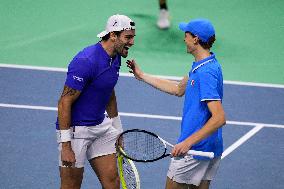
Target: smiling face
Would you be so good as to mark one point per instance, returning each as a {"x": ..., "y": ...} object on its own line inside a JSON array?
[
  {"x": 191, "y": 42},
  {"x": 123, "y": 42}
]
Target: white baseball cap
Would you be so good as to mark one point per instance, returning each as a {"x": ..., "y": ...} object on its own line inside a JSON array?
[{"x": 117, "y": 23}]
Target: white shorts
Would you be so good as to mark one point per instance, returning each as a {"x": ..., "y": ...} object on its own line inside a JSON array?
[
  {"x": 92, "y": 141},
  {"x": 188, "y": 170}
]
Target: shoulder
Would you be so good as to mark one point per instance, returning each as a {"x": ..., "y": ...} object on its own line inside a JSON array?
[
  {"x": 86, "y": 56},
  {"x": 89, "y": 51},
  {"x": 211, "y": 68}
]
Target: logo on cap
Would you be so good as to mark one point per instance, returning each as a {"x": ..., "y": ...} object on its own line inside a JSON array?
[{"x": 117, "y": 23}]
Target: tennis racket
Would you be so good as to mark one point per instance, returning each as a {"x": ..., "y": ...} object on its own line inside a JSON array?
[
  {"x": 145, "y": 146},
  {"x": 128, "y": 173}
]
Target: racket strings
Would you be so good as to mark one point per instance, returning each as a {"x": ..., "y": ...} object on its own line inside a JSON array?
[
  {"x": 129, "y": 175},
  {"x": 142, "y": 146}
]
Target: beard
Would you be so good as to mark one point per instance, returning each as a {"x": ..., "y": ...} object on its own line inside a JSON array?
[{"x": 122, "y": 50}]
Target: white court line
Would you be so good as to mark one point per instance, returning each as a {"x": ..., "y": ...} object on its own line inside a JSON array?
[
  {"x": 53, "y": 69},
  {"x": 151, "y": 116},
  {"x": 41, "y": 38},
  {"x": 230, "y": 149},
  {"x": 242, "y": 140}
]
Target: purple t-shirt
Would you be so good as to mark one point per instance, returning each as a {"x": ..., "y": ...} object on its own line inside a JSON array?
[{"x": 93, "y": 72}]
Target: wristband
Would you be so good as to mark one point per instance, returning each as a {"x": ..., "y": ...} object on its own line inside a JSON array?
[{"x": 65, "y": 135}]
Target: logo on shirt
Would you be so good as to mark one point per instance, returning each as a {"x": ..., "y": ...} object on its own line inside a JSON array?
[
  {"x": 192, "y": 82},
  {"x": 80, "y": 79}
]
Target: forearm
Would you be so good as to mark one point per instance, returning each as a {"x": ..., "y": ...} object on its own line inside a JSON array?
[
  {"x": 111, "y": 108},
  {"x": 64, "y": 119},
  {"x": 164, "y": 85},
  {"x": 65, "y": 102},
  {"x": 64, "y": 115},
  {"x": 210, "y": 127},
  {"x": 168, "y": 86}
]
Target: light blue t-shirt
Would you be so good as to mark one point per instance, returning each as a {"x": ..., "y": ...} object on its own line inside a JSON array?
[{"x": 205, "y": 83}]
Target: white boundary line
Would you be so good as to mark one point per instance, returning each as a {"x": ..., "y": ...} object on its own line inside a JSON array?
[
  {"x": 130, "y": 75},
  {"x": 151, "y": 116},
  {"x": 242, "y": 140},
  {"x": 230, "y": 149},
  {"x": 20, "y": 43}
]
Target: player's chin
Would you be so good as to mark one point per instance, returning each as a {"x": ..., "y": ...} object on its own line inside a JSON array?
[{"x": 124, "y": 53}]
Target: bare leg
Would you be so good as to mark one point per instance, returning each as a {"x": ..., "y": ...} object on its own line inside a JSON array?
[
  {"x": 170, "y": 184},
  {"x": 163, "y": 20},
  {"x": 106, "y": 169},
  {"x": 204, "y": 184},
  {"x": 161, "y": 2},
  {"x": 71, "y": 178}
]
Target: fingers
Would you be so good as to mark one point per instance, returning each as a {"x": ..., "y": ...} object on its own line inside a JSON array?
[
  {"x": 68, "y": 158},
  {"x": 179, "y": 150},
  {"x": 175, "y": 152},
  {"x": 68, "y": 164},
  {"x": 130, "y": 64}
]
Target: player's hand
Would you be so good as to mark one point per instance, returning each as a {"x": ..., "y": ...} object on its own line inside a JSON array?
[
  {"x": 180, "y": 149},
  {"x": 134, "y": 68},
  {"x": 67, "y": 155}
]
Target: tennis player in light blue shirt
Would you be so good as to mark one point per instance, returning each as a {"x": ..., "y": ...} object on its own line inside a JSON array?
[
  {"x": 205, "y": 84},
  {"x": 203, "y": 113}
]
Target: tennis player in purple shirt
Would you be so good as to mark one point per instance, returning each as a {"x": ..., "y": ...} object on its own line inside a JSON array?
[{"x": 84, "y": 131}]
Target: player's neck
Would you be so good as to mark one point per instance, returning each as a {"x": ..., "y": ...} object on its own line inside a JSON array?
[
  {"x": 201, "y": 54},
  {"x": 109, "y": 48}
]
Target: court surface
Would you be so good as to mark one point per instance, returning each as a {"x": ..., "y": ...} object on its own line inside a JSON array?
[
  {"x": 39, "y": 38},
  {"x": 253, "y": 135}
]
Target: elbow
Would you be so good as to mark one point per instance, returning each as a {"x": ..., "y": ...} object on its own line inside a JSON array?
[
  {"x": 223, "y": 123},
  {"x": 63, "y": 104},
  {"x": 179, "y": 94},
  {"x": 60, "y": 103},
  {"x": 222, "y": 120}
]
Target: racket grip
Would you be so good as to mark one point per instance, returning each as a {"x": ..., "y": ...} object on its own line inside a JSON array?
[{"x": 200, "y": 153}]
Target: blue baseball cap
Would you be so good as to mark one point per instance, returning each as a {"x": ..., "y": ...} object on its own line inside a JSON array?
[{"x": 200, "y": 27}]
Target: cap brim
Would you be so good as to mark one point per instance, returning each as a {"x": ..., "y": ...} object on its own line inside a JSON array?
[
  {"x": 102, "y": 34},
  {"x": 183, "y": 26}
]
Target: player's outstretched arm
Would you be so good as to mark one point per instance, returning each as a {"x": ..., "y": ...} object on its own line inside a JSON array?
[{"x": 165, "y": 85}]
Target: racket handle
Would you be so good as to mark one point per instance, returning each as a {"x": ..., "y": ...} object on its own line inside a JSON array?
[{"x": 200, "y": 153}]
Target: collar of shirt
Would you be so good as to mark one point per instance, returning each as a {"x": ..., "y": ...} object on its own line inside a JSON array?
[
  {"x": 196, "y": 65},
  {"x": 104, "y": 54}
]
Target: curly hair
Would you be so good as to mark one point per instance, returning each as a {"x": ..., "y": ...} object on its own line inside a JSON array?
[{"x": 107, "y": 36}]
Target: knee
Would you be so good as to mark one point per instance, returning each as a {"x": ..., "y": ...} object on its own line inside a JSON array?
[
  {"x": 71, "y": 179},
  {"x": 70, "y": 185},
  {"x": 113, "y": 182}
]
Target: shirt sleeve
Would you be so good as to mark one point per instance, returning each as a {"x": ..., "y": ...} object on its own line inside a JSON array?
[
  {"x": 208, "y": 87},
  {"x": 79, "y": 73}
]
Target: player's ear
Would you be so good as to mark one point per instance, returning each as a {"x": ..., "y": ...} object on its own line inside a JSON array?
[
  {"x": 196, "y": 40},
  {"x": 112, "y": 36}
]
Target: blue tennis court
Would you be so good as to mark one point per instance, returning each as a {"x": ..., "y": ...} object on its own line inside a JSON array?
[
  {"x": 253, "y": 156},
  {"x": 39, "y": 38}
]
